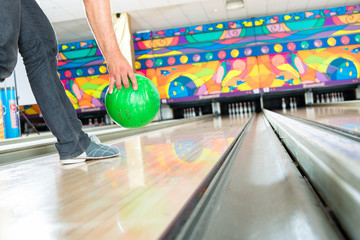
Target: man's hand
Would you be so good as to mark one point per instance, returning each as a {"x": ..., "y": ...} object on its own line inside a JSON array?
[
  {"x": 119, "y": 70},
  {"x": 99, "y": 16}
]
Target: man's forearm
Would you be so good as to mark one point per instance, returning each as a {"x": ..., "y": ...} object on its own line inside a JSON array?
[{"x": 99, "y": 17}]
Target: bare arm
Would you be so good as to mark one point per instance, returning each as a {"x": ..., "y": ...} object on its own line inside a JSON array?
[{"x": 99, "y": 16}]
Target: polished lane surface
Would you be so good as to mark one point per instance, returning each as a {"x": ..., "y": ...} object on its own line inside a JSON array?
[
  {"x": 331, "y": 160},
  {"x": 344, "y": 117},
  {"x": 262, "y": 196},
  {"x": 134, "y": 196}
]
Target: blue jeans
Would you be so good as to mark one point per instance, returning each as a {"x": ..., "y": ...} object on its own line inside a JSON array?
[{"x": 24, "y": 27}]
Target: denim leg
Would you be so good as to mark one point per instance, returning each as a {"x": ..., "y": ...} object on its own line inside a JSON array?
[
  {"x": 38, "y": 47},
  {"x": 9, "y": 35}
]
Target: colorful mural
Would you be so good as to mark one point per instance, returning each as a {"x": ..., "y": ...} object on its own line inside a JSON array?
[
  {"x": 250, "y": 23},
  {"x": 83, "y": 72},
  {"x": 250, "y": 56},
  {"x": 310, "y": 66},
  {"x": 87, "y": 92},
  {"x": 30, "y": 109},
  {"x": 200, "y": 79}
]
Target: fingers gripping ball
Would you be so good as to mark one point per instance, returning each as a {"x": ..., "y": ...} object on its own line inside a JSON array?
[{"x": 134, "y": 109}]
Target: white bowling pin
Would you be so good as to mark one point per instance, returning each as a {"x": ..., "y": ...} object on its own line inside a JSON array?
[
  {"x": 317, "y": 99},
  {"x": 322, "y": 98},
  {"x": 283, "y": 104},
  {"x": 200, "y": 112},
  {"x": 236, "y": 108},
  {"x": 241, "y": 108}
]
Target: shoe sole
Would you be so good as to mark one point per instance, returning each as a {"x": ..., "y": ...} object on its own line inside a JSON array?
[{"x": 83, "y": 159}]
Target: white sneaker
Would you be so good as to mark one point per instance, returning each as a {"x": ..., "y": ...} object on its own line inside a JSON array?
[{"x": 95, "y": 150}]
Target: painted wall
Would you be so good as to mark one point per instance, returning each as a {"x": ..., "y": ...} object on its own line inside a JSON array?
[
  {"x": 299, "y": 50},
  {"x": 275, "y": 53}
]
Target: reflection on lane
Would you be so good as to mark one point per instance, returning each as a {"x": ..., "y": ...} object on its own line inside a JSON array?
[
  {"x": 338, "y": 116},
  {"x": 159, "y": 172},
  {"x": 134, "y": 196}
]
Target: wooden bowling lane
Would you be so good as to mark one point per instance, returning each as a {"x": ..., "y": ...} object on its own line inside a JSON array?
[
  {"x": 134, "y": 196},
  {"x": 27, "y": 147},
  {"x": 263, "y": 196},
  {"x": 343, "y": 117}
]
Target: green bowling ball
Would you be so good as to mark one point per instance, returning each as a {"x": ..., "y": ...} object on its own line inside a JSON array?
[{"x": 134, "y": 109}]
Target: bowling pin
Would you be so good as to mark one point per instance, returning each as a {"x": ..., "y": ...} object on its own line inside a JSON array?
[
  {"x": 241, "y": 108},
  {"x": 291, "y": 104},
  {"x": 253, "y": 107},
  {"x": 200, "y": 112},
  {"x": 342, "y": 96},
  {"x": 283, "y": 104},
  {"x": 233, "y": 108},
  {"x": 236, "y": 108},
  {"x": 327, "y": 98},
  {"x": 245, "y": 109},
  {"x": 317, "y": 99},
  {"x": 249, "y": 107},
  {"x": 108, "y": 120},
  {"x": 294, "y": 103},
  {"x": 322, "y": 98},
  {"x": 229, "y": 109}
]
